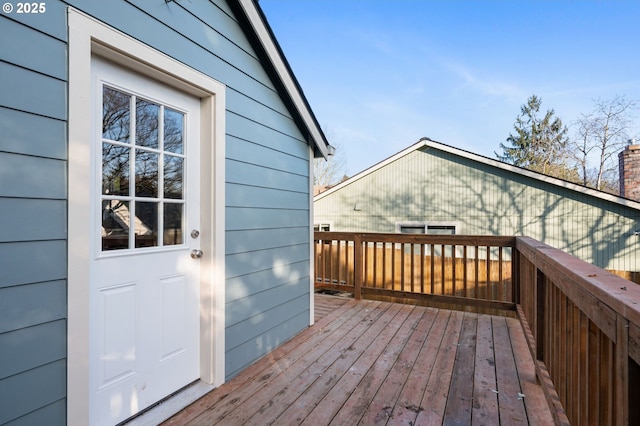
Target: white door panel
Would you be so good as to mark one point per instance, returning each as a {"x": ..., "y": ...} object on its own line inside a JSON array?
[{"x": 144, "y": 287}]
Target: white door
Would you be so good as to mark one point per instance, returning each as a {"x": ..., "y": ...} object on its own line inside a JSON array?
[{"x": 144, "y": 287}]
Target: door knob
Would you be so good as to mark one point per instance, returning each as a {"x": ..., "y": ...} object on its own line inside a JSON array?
[{"x": 196, "y": 254}]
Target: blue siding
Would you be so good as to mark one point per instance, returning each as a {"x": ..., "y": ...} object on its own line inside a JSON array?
[
  {"x": 22, "y": 218},
  {"x": 33, "y": 151},
  {"x": 36, "y": 93},
  {"x": 52, "y": 23},
  {"x": 32, "y": 347},
  {"x": 54, "y": 414},
  {"x": 261, "y": 176},
  {"x": 20, "y": 393},
  {"x": 33, "y": 177},
  {"x": 257, "y": 344},
  {"x": 52, "y": 57},
  {"x": 250, "y": 218},
  {"x": 247, "y": 285},
  {"x": 29, "y": 134},
  {"x": 267, "y": 185},
  {"x": 30, "y": 305},
  {"x": 32, "y": 261}
]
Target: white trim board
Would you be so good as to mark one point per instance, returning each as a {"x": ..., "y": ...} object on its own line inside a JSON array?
[
  {"x": 277, "y": 61},
  {"x": 88, "y": 37}
]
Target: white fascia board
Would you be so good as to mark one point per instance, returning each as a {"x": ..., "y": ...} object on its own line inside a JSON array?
[{"x": 264, "y": 35}]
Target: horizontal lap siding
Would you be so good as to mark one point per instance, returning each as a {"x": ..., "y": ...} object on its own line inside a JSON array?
[
  {"x": 33, "y": 152},
  {"x": 267, "y": 168},
  {"x": 431, "y": 185}
]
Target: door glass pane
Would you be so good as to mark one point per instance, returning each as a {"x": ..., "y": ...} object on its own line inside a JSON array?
[
  {"x": 158, "y": 173},
  {"x": 115, "y": 115},
  {"x": 146, "y": 174},
  {"x": 115, "y": 225},
  {"x": 115, "y": 169},
  {"x": 146, "y": 224},
  {"x": 173, "y": 232},
  {"x": 173, "y": 176},
  {"x": 147, "y": 123},
  {"x": 173, "y": 131}
]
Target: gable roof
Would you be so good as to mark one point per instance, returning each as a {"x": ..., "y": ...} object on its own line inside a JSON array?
[
  {"x": 426, "y": 142},
  {"x": 276, "y": 65}
]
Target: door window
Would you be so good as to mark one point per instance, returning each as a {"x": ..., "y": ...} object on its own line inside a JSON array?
[{"x": 143, "y": 164}]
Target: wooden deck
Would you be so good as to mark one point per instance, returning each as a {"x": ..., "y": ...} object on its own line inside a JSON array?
[{"x": 367, "y": 362}]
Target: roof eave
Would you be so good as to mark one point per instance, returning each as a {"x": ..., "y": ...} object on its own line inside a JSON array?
[{"x": 282, "y": 71}]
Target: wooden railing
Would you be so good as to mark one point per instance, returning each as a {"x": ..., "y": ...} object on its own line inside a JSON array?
[
  {"x": 451, "y": 269},
  {"x": 582, "y": 323}
]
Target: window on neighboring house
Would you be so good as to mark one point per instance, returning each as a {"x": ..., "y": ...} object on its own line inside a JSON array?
[
  {"x": 427, "y": 228},
  {"x": 410, "y": 229},
  {"x": 324, "y": 227},
  {"x": 441, "y": 229}
]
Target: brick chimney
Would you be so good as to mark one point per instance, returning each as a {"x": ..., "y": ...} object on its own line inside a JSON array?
[{"x": 629, "y": 163}]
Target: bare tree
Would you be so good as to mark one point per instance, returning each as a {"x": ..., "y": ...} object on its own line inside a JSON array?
[
  {"x": 333, "y": 170},
  {"x": 600, "y": 135}
]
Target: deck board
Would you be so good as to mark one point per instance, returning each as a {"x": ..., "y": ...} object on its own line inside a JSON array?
[
  {"x": 485, "y": 397},
  {"x": 510, "y": 400},
  {"x": 370, "y": 363},
  {"x": 460, "y": 397}
]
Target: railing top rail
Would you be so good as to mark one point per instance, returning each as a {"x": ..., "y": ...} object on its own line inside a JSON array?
[
  {"x": 461, "y": 240},
  {"x": 619, "y": 294}
]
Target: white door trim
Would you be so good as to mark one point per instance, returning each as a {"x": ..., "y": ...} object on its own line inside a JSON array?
[{"x": 88, "y": 37}]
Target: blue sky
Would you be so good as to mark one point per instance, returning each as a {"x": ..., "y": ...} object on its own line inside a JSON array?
[{"x": 379, "y": 75}]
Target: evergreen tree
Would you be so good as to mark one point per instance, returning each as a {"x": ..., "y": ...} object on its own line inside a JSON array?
[{"x": 539, "y": 144}]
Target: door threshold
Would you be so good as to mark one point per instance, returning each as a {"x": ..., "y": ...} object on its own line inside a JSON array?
[{"x": 169, "y": 406}]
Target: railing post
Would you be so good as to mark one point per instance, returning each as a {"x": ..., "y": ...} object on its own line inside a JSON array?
[{"x": 358, "y": 265}]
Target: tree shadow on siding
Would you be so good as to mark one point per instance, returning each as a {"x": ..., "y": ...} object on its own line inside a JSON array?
[{"x": 488, "y": 201}]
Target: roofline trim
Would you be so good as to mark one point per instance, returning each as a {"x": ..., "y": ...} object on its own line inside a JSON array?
[
  {"x": 490, "y": 161},
  {"x": 422, "y": 142},
  {"x": 265, "y": 36}
]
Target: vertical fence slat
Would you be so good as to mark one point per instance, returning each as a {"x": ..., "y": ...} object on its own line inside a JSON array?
[
  {"x": 500, "y": 282},
  {"x": 453, "y": 269},
  {"x": 540, "y": 310},
  {"x": 488, "y": 285},
  {"x": 393, "y": 265},
  {"x": 357, "y": 266},
  {"x": 422, "y": 260},
  {"x": 413, "y": 289},
  {"x": 375, "y": 265},
  {"x": 584, "y": 367},
  {"x": 433, "y": 269},
  {"x": 465, "y": 261},
  {"x": 621, "y": 369},
  {"x": 384, "y": 266},
  {"x": 593, "y": 376}
]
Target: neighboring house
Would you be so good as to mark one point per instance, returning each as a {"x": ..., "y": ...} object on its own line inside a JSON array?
[
  {"x": 434, "y": 188},
  {"x": 155, "y": 203}
]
